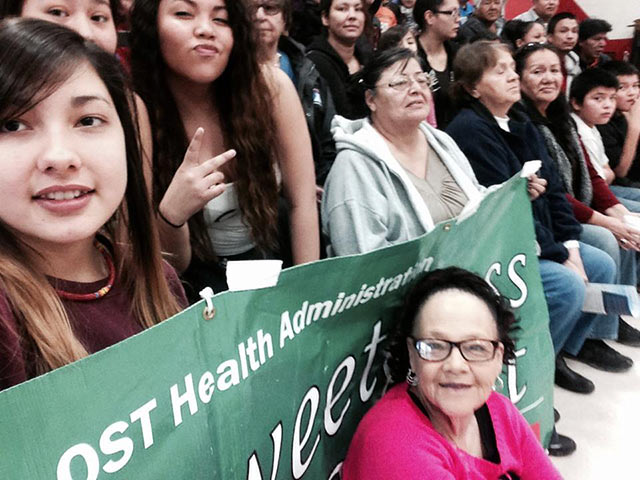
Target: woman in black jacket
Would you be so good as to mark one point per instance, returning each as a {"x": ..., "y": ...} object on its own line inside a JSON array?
[{"x": 341, "y": 54}]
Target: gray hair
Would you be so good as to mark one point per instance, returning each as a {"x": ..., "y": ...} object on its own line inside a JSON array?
[{"x": 477, "y": 3}]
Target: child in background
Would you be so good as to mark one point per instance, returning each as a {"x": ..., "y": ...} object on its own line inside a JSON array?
[
  {"x": 620, "y": 135},
  {"x": 80, "y": 265},
  {"x": 518, "y": 33},
  {"x": 593, "y": 99}
]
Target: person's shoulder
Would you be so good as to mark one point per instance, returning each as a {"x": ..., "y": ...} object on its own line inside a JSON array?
[
  {"x": 528, "y": 16},
  {"x": 505, "y": 416},
  {"x": 501, "y": 402},
  {"x": 466, "y": 118},
  {"x": 471, "y": 26},
  {"x": 275, "y": 77},
  {"x": 320, "y": 48}
]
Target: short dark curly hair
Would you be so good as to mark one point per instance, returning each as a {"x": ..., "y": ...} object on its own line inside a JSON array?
[{"x": 451, "y": 278}]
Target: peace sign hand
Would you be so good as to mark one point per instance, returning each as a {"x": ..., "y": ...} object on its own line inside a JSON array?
[{"x": 194, "y": 184}]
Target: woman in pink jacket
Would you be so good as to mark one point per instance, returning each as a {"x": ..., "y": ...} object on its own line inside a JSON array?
[{"x": 445, "y": 422}]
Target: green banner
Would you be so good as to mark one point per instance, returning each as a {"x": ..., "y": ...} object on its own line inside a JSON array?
[{"x": 273, "y": 386}]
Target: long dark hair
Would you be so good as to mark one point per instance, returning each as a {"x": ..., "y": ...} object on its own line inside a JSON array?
[
  {"x": 558, "y": 115},
  {"x": 244, "y": 101},
  {"x": 36, "y": 59},
  {"x": 451, "y": 278}
]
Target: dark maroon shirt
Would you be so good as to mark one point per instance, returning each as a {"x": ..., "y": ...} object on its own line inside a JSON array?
[{"x": 98, "y": 323}]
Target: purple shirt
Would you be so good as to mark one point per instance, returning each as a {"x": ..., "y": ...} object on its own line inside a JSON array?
[{"x": 98, "y": 323}]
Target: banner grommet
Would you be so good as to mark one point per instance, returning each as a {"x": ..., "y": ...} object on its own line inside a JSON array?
[{"x": 209, "y": 310}]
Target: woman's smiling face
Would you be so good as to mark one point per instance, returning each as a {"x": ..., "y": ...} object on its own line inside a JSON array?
[
  {"x": 63, "y": 168},
  {"x": 455, "y": 386}
]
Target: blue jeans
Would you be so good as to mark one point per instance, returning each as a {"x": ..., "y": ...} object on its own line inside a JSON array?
[
  {"x": 564, "y": 291},
  {"x": 628, "y": 196},
  {"x": 625, "y": 260}
]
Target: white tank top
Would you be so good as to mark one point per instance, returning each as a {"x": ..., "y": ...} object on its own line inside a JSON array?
[{"x": 227, "y": 230}]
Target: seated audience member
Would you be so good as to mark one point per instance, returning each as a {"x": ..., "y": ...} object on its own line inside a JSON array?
[
  {"x": 541, "y": 11},
  {"x": 450, "y": 343},
  {"x": 592, "y": 39},
  {"x": 234, "y": 111},
  {"x": 466, "y": 9},
  {"x": 593, "y": 100},
  {"x": 483, "y": 21},
  {"x": 403, "y": 10},
  {"x": 620, "y": 134},
  {"x": 487, "y": 86},
  {"x": 394, "y": 177},
  {"x": 398, "y": 36},
  {"x": 338, "y": 55},
  {"x": 438, "y": 23},
  {"x": 76, "y": 275},
  {"x": 594, "y": 205},
  {"x": 562, "y": 33},
  {"x": 276, "y": 48},
  {"x": 518, "y": 32},
  {"x": 401, "y": 36},
  {"x": 272, "y": 20}
]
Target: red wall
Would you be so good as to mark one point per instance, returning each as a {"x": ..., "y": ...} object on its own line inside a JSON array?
[{"x": 615, "y": 48}]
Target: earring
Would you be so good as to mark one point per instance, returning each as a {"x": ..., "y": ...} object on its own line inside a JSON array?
[
  {"x": 500, "y": 385},
  {"x": 412, "y": 378}
]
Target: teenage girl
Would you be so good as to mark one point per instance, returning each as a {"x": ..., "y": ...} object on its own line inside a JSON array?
[
  {"x": 194, "y": 64},
  {"x": 71, "y": 184}
]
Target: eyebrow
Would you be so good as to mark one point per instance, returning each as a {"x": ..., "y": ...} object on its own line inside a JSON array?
[
  {"x": 193, "y": 4},
  {"x": 102, "y": 2},
  {"x": 81, "y": 100}
]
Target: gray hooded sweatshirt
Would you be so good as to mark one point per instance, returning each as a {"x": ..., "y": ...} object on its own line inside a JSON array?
[{"x": 369, "y": 201}]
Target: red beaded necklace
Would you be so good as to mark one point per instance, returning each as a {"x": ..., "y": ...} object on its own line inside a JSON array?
[{"x": 84, "y": 297}]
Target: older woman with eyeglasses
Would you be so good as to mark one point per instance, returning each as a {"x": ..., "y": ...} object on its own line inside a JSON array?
[
  {"x": 395, "y": 176},
  {"x": 450, "y": 343}
]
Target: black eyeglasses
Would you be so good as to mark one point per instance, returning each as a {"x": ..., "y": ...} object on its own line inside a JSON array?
[
  {"x": 454, "y": 12},
  {"x": 474, "y": 350}
]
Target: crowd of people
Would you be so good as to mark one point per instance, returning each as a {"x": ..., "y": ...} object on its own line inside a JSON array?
[{"x": 146, "y": 144}]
